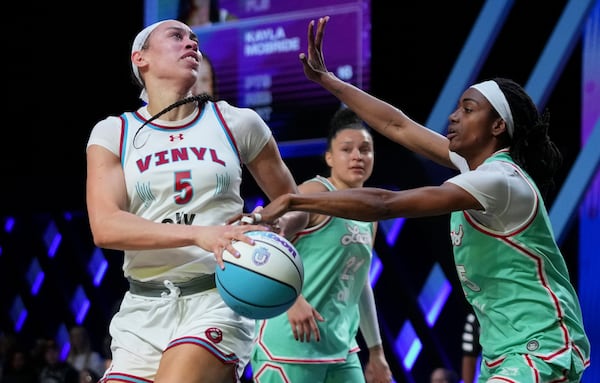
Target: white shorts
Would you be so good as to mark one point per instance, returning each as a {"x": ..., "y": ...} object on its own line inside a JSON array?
[{"x": 144, "y": 327}]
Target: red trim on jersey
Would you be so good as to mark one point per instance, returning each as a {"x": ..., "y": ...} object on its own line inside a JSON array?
[
  {"x": 508, "y": 240},
  {"x": 122, "y": 138},
  {"x": 310, "y": 230},
  {"x": 227, "y": 130},
  {"x": 153, "y": 123}
]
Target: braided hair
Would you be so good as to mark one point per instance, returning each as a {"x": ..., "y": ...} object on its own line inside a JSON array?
[
  {"x": 201, "y": 99},
  {"x": 530, "y": 146}
]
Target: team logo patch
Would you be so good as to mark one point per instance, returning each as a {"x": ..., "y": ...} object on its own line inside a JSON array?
[
  {"x": 214, "y": 334},
  {"x": 533, "y": 345}
]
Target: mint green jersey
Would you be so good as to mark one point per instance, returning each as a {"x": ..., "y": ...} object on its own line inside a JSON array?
[
  {"x": 517, "y": 280},
  {"x": 337, "y": 258}
]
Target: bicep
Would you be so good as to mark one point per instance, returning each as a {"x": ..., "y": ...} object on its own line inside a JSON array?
[
  {"x": 271, "y": 173},
  {"x": 105, "y": 183}
]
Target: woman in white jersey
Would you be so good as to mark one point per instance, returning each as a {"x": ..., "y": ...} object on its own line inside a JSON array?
[
  {"x": 510, "y": 267},
  {"x": 162, "y": 182}
]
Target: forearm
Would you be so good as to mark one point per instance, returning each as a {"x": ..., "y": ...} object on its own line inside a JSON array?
[
  {"x": 125, "y": 231},
  {"x": 389, "y": 120},
  {"x": 468, "y": 368},
  {"x": 364, "y": 204},
  {"x": 378, "y": 114}
]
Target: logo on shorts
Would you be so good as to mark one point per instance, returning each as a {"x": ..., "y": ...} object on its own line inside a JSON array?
[
  {"x": 533, "y": 345},
  {"x": 214, "y": 334}
]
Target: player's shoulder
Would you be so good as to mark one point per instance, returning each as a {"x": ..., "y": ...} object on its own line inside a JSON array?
[
  {"x": 313, "y": 185},
  {"x": 228, "y": 109},
  {"x": 109, "y": 121}
]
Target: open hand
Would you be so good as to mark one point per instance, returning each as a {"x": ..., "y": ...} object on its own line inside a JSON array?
[{"x": 314, "y": 63}]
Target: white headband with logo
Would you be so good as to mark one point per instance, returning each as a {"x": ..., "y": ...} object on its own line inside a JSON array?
[
  {"x": 137, "y": 45},
  {"x": 491, "y": 91}
]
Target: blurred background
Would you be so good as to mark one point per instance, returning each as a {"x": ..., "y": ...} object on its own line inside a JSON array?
[{"x": 67, "y": 67}]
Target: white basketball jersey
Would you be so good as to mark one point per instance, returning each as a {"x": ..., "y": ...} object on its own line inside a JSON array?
[{"x": 187, "y": 173}]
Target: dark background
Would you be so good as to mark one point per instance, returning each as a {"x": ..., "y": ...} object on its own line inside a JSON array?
[{"x": 66, "y": 68}]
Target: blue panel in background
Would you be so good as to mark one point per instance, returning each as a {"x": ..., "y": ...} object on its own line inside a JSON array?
[
  {"x": 408, "y": 346},
  {"x": 473, "y": 55},
  {"x": 80, "y": 305},
  {"x": 9, "y": 224},
  {"x": 52, "y": 238},
  {"x": 35, "y": 276},
  {"x": 97, "y": 266},
  {"x": 18, "y": 313},
  {"x": 589, "y": 210},
  {"x": 376, "y": 269},
  {"x": 434, "y": 294}
]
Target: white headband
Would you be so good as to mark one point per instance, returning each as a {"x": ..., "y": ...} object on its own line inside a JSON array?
[
  {"x": 494, "y": 95},
  {"x": 137, "y": 45}
]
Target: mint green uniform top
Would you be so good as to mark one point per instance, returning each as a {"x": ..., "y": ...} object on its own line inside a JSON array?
[
  {"x": 337, "y": 257},
  {"x": 516, "y": 280}
]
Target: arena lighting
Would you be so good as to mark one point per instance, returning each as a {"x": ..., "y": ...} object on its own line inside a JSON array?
[
  {"x": 434, "y": 294},
  {"x": 97, "y": 266},
  {"x": 408, "y": 346},
  {"x": 467, "y": 66},
  {"x": 589, "y": 219},
  {"x": 254, "y": 202},
  {"x": 80, "y": 305},
  {"x": 376, "y": 269},
  {"x": 303, "y": 148},
  {"x": 35, "y": 276},
  {"x": 575, "y": 185},
  {"x": 18, "y": 313},
  {"x": 392, "y": 228},
  {"x": 63, "y": 340},
  {"x": 540, "y": 85},
  {"x": 558, "y": 49},
  {"x": 9, "y": 224},
  {"x": 469, "y": 62},
  {"x": 52, "y": 238}
]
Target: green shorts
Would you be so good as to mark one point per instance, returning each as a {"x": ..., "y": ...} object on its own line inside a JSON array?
[
  {"x": 524, "y": 368},
  {"x": 268, "y": 371}
]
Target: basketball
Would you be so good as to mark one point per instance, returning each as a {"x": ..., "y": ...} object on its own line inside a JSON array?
[{"x": 265, "y": 280}]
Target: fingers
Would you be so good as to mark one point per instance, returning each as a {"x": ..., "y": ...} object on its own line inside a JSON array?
[
  {"x": 315, "y": 330},
  {"x": 241, "y": 236},
  {"x": 320, "y": 32},
  {"x": 316, "y": 40},
  {"x": 219, "y": 258},
  {"x": 247, "y": 219},
  {"x": 303, "y": 332},
  {"x": 235, "y": 220},
  {"x": 310, "y": 34}
]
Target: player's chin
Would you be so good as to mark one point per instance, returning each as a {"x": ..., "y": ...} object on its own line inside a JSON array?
[{"x": 358, "y": 178}]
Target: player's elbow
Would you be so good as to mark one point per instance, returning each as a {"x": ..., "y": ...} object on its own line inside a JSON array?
[{"x": 101, "y": 233}]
